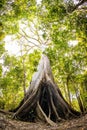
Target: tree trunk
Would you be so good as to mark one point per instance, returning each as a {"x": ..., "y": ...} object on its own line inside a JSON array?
[
  {"x": 44, "y": 100},
  {"x": 79, "y": 100},
  {"x": 68, "y": 91}
]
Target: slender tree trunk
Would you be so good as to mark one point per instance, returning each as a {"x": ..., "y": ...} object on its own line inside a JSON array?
[
  {"x": 68, "y": 91},
  {"x": 24, "y": 72},
  {"x": 24, "y": 77},
  {"x": 79, "y": 99}
]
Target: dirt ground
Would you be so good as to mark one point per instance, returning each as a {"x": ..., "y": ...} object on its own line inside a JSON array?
[{"x": 6, "y": 123}]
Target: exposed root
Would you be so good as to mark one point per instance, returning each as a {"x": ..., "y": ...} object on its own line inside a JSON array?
[
  {"x": 30, "y": 101},
  {"x": 49, "y": 111},
  {"x": 53, "y": 106},
  {"x": 6, "y": 112},
  {"x": 50, "y": 122}
]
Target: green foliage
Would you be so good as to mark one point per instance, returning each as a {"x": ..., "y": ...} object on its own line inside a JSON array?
[
  {"x": 1, "y": 49},
  {"x": 31, "y": 64},
  {"x": 0, "y": 70},
  {"x": 13, "y": 11},
  {"x": 11, "y": 82}
]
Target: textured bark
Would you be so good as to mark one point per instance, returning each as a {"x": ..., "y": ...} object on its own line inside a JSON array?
[{"x": 44, "y": 100}]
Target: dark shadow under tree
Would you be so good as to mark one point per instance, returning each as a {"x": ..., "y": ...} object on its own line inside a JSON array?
[{"x": 44, "y": 100}]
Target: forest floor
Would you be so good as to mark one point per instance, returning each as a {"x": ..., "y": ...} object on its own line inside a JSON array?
[{"x": 6, "y": 123}]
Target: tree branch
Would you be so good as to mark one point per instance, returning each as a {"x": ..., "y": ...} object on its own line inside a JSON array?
[
  {"x": 29, "y": 40},
  {"x": 31, "y": 37},
  {"x": 80, "y": 3},
  {"x": 74, "y": 7}
]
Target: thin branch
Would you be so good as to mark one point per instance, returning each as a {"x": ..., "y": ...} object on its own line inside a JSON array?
[
  {"x": 39, "y": 39},
  {"x": 30, "y": 37},
  {"x": 28, "y": 50},
  {"x": 35, "y": 32},
  {"x": 29, "y": 41},
  {"x": 46, "y": 42}
]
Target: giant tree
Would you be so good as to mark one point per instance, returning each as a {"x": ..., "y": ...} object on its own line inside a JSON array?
[{"x": 59, "y": 23}]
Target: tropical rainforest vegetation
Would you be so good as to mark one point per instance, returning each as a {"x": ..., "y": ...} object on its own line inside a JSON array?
[{"x": 57, "y": 28}]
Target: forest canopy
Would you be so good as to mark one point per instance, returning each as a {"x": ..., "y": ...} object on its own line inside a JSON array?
[{"x": 57, "y": 28}]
